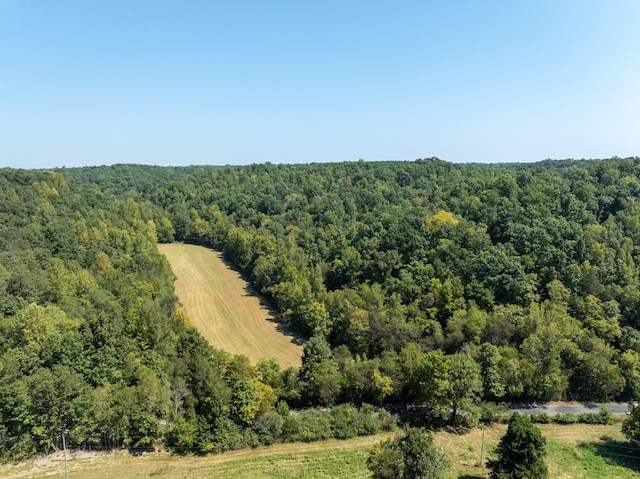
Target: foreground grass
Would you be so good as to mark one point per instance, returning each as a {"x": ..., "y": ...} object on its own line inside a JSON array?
[
  {"x": 219, "y": 303},
  {"x": 575, "y": 452},
  {"x": 579, "y": 451},
  {"x": 327, "y": 459}
]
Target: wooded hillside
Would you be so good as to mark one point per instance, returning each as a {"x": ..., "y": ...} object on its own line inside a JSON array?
[
  {"x": 424, "y": 282},
  {"x": 532, "y": 270}
]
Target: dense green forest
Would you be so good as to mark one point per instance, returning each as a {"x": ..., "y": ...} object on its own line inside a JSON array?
[
  {"x": 426, "y": 282},
  {"x": 408, "y": 269}
]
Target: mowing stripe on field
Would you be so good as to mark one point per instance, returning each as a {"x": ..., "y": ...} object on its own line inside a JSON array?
[{"x": 220, "y": 304}]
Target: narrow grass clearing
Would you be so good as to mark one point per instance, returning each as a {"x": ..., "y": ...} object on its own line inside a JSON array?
[{"x": 220, "y": 304}]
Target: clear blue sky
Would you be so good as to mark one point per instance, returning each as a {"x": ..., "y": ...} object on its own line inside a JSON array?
[{"x": 92, "y": 82}]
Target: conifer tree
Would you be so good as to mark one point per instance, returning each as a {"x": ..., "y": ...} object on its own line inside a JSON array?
[
  {"x": 520, "y": 452},
  {"x": 631, "y": 425}
]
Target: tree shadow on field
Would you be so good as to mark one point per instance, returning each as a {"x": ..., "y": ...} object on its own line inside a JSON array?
[
  {"x": 469, "y": 476},
  {"x": 281, "y": 325},
  {"x": 614, "y": 452}
]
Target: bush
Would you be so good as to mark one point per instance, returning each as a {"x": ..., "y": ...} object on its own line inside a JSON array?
[
  {"x": 229, "y": 436},
  {"x": 468, "y": 418},
  {"x": 368, "y": 423},
  {"x": 411, "y": 455},
  {"x": 182, "y": 434},
  {"x": 315, "y": 426},
  {"x": 18, "y": 449},
  {"x": 566, "y": 418},
  {"x": 348, "y": 422},
  {"x": 386, "y": 420},
  {"x": 344, "y": 422},
  {"x": 307, "y": 426},
  {"x": 291, "y": 428},
  {"x": 542, "y": 418},
  {"x": 147, "y": 429},
  {"x": 631, "y": 425},
  {"x": 341, "y": 422},
  {"x": 385, "y": 460},
  {"x": 268, "y": 427},
  {"x": 605, "y": 416}
]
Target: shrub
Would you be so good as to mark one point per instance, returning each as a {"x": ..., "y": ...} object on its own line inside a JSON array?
[
  {"x": 631, "y": 425},
  {"x": 368, "y": 423},
  {"x": 605, "y": 416},
  {"x": 182, "y": 434},
  {"x": 411, "y": 455},
  {"x": 543, "y": 418},
  {"x": 291, "y": 428},
  {"x": 18, "y": 449},
  {"x": 315, "y": 426},
  {"x": 386, "y": 420},
  {"x": 229, "y": 436},
  {"x": 341, "y": 422},
  {"x": 566, "y": 418},
  {"x": 344, "y": 422},
  {"x": 307, "y": 426},
  {"x": 268, "y": 427}
]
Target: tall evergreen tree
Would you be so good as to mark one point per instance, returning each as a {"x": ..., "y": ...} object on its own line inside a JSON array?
[
  {"x": 520, "y": 452},
  {"x": 631, "y": 425}
]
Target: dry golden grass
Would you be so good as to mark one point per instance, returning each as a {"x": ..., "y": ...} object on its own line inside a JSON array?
[
  {"x": 162, "y": 465},
  {"x": 220, "y": 304},
  {"x": 572, "y": 454}
]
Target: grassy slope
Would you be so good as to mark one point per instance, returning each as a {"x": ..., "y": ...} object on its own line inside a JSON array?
[
  {"x": 326, "y": 459},
  {"x": 576, "y": 452},
  {"x": 220, "y": 305}
]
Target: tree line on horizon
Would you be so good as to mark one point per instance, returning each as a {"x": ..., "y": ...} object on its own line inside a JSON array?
[{"x": 426, "y": 282}]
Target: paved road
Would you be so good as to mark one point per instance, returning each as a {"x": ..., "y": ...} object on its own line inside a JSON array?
[{"x": 575, "y": 408}]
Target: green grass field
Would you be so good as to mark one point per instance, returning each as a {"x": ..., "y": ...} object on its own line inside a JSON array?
[
  {"x": 575, "y": 452},
  {"x": 220, "y": 304}
]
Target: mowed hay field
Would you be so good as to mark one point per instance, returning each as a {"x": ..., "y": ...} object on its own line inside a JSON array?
[
  {"x": 574, "y": 452},
  {"x": 219, "y": 303}
]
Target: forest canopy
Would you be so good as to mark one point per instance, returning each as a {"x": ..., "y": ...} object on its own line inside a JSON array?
[{"x": 419, "y": 282}]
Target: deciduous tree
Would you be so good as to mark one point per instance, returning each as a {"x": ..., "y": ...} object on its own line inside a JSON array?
[{"x": 411, "y": 455}]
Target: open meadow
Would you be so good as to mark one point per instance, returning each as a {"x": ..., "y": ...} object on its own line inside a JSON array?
[
  {"x": 221, "y": 305},
  {"x": 575, "y": 452}
]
